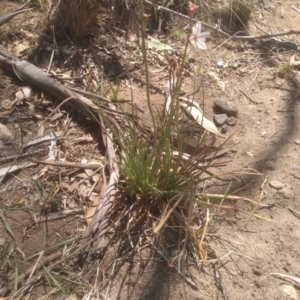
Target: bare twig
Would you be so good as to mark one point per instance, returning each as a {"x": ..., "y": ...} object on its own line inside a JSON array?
[
  {"x": 35, "y": 266},
  {"x": 15, "y": 157},
  {"x": 251, "y": 100},
  {"x": 69, "y": 164},
  {"x": 294, "y": 212}
]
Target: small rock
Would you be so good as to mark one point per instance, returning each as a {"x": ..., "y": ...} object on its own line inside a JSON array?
[
  {"x": 224, "y": 128},
  {"x": 297, "y": 142},
  {"x": 289, "y": 291},
  {"x": 2, "y": 242},
  {"x": 292, "y": 166},
  {"x": 270, "y": 165},
  {"x": 257, "y": 272},
  {"x": 5, "y": 134},
  {"x": 273, "y": 62},
  {"x": 226, "y": 107},
  {"x": 263, "y": 133},
  {"x": 231, "y": 121},
  {"x": 287, "y": 192},
  {"x": 276, "y": 184},
  {"x": 220, "y": 119}
]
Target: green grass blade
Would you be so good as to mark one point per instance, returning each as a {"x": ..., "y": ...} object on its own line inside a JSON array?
[
  {"x": 7, "y": 227},
  {"x": 53, "y": 280}
]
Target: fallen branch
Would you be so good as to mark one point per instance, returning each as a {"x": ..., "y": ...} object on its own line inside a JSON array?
[{"x": 35, "y": 76}]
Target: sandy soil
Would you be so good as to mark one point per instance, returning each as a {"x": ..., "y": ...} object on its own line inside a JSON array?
[{"x": 266, "y": 138}]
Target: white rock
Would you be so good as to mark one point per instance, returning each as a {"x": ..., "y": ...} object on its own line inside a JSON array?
[
  {"x": 289, "y": 292},
  {"x": 276, "y": 184},
  {"x": 5, "y": 134}
]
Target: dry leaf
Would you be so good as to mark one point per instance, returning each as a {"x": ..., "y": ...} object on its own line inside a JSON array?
[
  {"x": 8, "y": 104},
  {"x": 201, "y": 119},
  {"x": 5, "y": 134}
]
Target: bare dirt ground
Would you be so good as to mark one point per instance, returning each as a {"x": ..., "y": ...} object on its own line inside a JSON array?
[{"x": 258, "y": 79}]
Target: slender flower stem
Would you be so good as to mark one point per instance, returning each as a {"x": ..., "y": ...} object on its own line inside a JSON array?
[{"x": 144, "y": 51}]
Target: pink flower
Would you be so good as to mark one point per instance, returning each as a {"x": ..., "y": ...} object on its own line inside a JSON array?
[{"x": 197, "y": 38}]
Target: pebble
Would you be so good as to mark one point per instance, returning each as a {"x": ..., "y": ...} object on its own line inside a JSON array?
[
  {"x": 289, "y": 291},
  {"x": 297, "y": 142},
  {"x": 226, "y": 107},
  {"x": 5, "y": 134},
  {"x": 276, "y": 184},
  {"x": 220, "y": 119},
  {"x": 292, "y": 166},
  {"x": 270, "y": 165},
  {"x": 287, "y": 192},
  {"x": 231, "y": 121},
  {"x": 224, "y": 128}
]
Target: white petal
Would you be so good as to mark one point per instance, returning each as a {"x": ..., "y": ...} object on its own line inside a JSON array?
[
  {"x": 193, "y": 42},
  {"x": 196, "y": 29},
  {"x": 201, "y": 120},
  {"x": 205, "y": 34},
  {"x": 200, "y": 44}
]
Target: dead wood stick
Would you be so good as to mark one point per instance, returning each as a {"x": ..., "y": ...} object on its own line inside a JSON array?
[
  {"x": 69, "y": 164},
  {"x": 43, "y": 262},
  {"x": 251, "y": 100},
  {"x": 15, "y": 157},
  {"x": 32, "y": 74}
]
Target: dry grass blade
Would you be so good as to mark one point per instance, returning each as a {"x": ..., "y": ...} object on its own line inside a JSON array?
[
  {"x": 100, "y": 221},
  {"x": 288, "y": 278},
  {"x": 165, "y": 218}
]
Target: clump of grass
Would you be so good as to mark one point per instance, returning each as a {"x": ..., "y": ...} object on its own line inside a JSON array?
[
  {"x": 178, "y": 34},
  {"x": 76, "y": 18},
  {"x": 236, "y": 16},
  {"x": 160, "y": 174},
  {"x": 285, "y": 70},
  {"x": 37, "y": 3},
  {"x": 240, "y": 11}
]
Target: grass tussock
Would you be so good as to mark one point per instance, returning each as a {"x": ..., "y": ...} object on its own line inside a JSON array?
[{"x": 76, "y": 18}]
